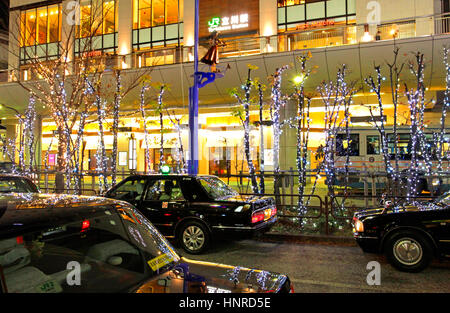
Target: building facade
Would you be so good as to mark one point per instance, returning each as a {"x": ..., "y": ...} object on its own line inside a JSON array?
[{"x": 157, "y": 36}]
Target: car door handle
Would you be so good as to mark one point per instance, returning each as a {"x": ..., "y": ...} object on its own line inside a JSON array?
[{"x": 151, "y": 209}]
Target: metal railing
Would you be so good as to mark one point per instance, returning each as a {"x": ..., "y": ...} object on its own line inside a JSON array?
[{"x": 317, "y": 206}]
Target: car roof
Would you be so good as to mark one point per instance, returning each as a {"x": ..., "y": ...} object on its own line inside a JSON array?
[{"x": 23, "y": 212}]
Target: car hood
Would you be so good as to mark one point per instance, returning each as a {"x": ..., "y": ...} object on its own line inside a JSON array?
[{"x": 191, "y": 276}]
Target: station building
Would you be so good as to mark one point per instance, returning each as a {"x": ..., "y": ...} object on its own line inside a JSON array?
[{"x": 156, "y": 37}]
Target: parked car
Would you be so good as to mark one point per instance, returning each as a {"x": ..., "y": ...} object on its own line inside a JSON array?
[
  {"x": 15, "y": 183},
  {"x": 410, "y": 234},
  {"x": 195, "y": 209},
  {"x": 64, "y": 243}
]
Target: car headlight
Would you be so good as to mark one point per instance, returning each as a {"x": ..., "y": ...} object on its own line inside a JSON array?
[{"x": 358, "y": 226}]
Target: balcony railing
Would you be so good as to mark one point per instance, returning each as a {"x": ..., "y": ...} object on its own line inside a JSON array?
[{"x": 314, "y": 37}]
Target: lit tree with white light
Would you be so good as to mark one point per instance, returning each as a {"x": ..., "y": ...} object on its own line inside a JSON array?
[
  {"x": 278, "y": 102},
  {"x": 243, "y": 112}
]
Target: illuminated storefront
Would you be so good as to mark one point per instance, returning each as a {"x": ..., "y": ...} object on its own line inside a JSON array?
[{"x": 160, "y": 33}]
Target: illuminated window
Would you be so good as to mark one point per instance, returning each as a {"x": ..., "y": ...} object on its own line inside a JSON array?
[
  {"x": 40, "y": 32},
  {"x": 294, "y": 14},
  {"x": 151, "y": 13},
  {"x": 98, "y": 17},
  {"x": 98, "y": 27},
  {"x": 144, "y": 13},
  {"x": 157, "y": 12},
  {"x": 171, "y": 11},
  {"x": 54, "y": 22},
  {"x": 42, "y": 25},
  {"x": 30, "y": 28},
  {"x": 109, "y": 17}
]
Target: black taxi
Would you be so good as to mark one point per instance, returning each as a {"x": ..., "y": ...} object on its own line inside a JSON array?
[
  {"x": 77, "y": 244},
  {"x": 409, "y": 234},
  {"x": 195, "y": 208}
]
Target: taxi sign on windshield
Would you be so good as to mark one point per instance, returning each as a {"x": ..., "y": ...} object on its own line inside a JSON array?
[{"x": 160, "y": 261}]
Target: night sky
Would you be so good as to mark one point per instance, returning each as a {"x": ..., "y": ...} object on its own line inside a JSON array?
[{"x": 4, "y": 14}]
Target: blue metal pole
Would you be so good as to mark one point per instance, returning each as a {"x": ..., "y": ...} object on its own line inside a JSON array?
[{"x": 193, "y": 103}]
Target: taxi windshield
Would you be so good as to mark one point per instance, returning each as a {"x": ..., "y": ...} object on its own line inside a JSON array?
[
  {"x": 115, "y": 251},
  {"x": 216, "y": 188}
]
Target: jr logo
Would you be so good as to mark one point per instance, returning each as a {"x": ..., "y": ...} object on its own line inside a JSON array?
[
  {"x": 374, "y": 276},
  {"x": 73, "y": 278}
]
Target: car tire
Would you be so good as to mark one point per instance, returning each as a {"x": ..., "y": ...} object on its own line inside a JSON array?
[
  {"x": 408, "y": 251},
  {"x": 194, "y": 237}
]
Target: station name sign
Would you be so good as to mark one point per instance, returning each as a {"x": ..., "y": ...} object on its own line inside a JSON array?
[{"x": 227, "y": 23}]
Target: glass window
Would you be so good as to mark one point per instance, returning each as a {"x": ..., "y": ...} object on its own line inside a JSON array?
[
  {"x": 42, "y": 25},
  {"x": 157, "y": 23},
  {"x": 315, "y": 10},
  {"x": 403, "y": 146},
  {"x": 98, "y": 17},
  {"x": 373, "y": 144},
  {"x": 53, "y": 24},
  {"x": 295, "y": 14},
  {"x": 130, "y": 190},
  {"x": 164, "y": 190},
  {"x": 347, "y": 145},
  {"x": 335, "y": 7},
  {"x": 285, "y": 3},
  {"x": 108, "y": 17},
  {"x": 145, "y": 13},
  {"x": 30, "y": 28},
  {"x": 171, "y": 11},
  {"x": 216, "y": 188},
  {"x": 157, "y": 12},
  {"x": 85, "y": 19}
]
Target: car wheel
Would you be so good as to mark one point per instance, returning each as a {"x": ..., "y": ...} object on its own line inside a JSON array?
[
  {"x": 193, "y": 237},
  {"x": 409, "y": 251}
]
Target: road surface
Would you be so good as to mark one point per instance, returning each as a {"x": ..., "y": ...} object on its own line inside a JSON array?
[{"x": 327, "y": 268}]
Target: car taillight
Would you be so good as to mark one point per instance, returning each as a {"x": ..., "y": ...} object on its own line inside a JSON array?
[
  {"x": 85, "y": 225},
  {"x": 19, "y": 240},
  {"x": 257, "y": 217}
]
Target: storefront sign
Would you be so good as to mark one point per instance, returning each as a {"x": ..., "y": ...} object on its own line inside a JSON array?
[
  {"x": 225, "y": 23},
  {"x": 228, "y": 18}
]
